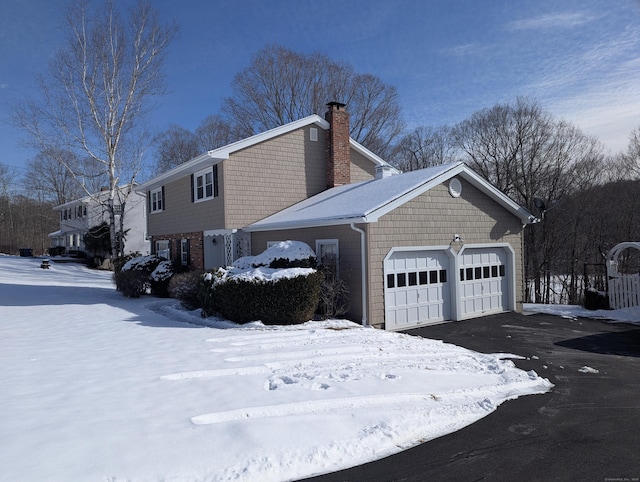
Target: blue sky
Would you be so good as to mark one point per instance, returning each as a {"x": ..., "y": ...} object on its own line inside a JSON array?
[{"x": 447, "y": 58}]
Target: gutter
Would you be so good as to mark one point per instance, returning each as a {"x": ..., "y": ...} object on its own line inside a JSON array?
[{"x": 363, "y": 267}]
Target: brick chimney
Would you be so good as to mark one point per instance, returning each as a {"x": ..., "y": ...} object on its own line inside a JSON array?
[{"x": 337, "y": 145}]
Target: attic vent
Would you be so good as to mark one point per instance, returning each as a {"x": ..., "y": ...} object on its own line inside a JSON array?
[
  {"x": 313, "y": 134},
  {"x": 455, "y": 187}
]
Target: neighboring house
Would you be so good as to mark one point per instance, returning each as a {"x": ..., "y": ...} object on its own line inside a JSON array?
[
  {"x": 80, "y": 215},
  {"x": 416, "y": 248}
]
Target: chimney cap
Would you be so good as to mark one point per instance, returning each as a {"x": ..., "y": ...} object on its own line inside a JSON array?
[{"x": 337, "y": 105}]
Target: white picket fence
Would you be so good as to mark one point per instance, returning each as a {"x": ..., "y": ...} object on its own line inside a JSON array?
[{"x": 624, "y": 289}]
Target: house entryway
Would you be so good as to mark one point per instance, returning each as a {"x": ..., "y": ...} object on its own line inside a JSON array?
[
  {"x": 223, "y": 246},
  {"x": 432, "y": 285}
]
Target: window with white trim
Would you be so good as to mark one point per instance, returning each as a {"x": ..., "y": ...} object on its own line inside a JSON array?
[
  {"x": 205, "y": 184},
  {"x": 156, "y": 200},
  {"x": 163, "y": 248},
  {"x": 184, "y": 252}
]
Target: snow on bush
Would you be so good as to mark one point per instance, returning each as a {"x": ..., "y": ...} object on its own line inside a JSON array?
[
  {"x": 286, "y": 250},
  {"x": 257, "y": 287},
  {"x": 163, "y": 271},
  {"x": 142, "y": 263}
]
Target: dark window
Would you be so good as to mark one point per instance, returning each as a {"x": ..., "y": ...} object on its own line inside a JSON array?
[
  {"x": 402, "y": 280},
  {"x": 486, "y": 271},
  {"x": 478, "y": 273},
  {"x": 443, "y": 276},
  {"x": 494, "y": 271},
  {"x": 413, "y": 279},
  {"x": 502, "y": 270},
  {"x": 461, "y": 274},
  {"x": 424, "y": 277},
  {"x": 433, "y": 277},
  {"x": 469, "y": 274},
  {"x": 391, "y": 281}
]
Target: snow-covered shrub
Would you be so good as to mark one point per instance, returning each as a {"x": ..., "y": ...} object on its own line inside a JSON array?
[
  {"x": 184, "y": 287},
  {"x": 279, "y": 286},
  {"x": 133, "y": 279},
  {"x": 118, "y": 263},
  {"x": 146, "y": 263},
  {"x": 206, "y": 289},
  {"x": 286, "y": 300},
  {"x": 160, "y": 277}
]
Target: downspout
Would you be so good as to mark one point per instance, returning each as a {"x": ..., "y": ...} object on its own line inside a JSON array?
[{"x": 363, "y": 269}]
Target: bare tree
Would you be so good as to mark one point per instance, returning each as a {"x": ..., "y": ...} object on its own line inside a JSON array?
[
  {"x": 48, "y": 179},
  {"x": 214, "y": 132},
  {"x": 97, "y": 92},
  {"x": 282, "y": 86},
  {"x": 630, "y": 160},
  {"x": 425, "y": 147},
  {"x": 527, "y": 154},
  {"x": 175, "y": 146}
]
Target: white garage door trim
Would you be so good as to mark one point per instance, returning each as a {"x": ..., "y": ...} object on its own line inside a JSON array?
[
  {"x": 417, "y": 286},
  {"x": 490, "y": 287}
]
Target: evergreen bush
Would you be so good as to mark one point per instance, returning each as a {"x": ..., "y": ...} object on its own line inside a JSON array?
[
  {"x": 131, "y": 284},
  {"x": 160, "y": 277},
  {"x": 282, "y": 301},
  {"x": 133, "y": 279},
  {"x": 206, "y": 289}
]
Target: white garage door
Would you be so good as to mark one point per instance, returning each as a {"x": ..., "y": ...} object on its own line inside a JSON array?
[
  {"x": 484, "y": 281},
  {"x": 416, "y": 289}
]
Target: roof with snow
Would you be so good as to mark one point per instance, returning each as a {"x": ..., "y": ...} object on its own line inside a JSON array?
[
  {"x": 367, "y": 201},
  {"x": 218, "y": 155}
]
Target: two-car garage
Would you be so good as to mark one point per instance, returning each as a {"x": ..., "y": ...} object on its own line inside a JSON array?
[{"x": 431, "y": 285}]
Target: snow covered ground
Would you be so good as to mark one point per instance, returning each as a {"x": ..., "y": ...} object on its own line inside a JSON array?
[
  {"x": 99, "y": 387},
  {"x": 626, "y": 315}
]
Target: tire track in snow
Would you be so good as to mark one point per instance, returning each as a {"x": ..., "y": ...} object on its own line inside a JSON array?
[
  {"x": 304, "y": 354},
  {"x": 309, "y": 408},
  {"x": 338, "y": 362},
  {"x": 402, "y": 401},
  {"x": 474, "y": 400}
]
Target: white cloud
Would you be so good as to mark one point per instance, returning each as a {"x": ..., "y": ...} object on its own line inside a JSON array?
[{"x": 553, "y": 20}]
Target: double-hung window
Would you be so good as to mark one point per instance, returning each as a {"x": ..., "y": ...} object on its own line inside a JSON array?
[
  {"x": 205, "y": 184},
  {"x": 163, "y": 248},
  {"x": 156, "y": 200}
]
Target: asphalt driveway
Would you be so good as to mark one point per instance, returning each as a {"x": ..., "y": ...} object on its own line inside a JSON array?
[{"x": 587, "y": 428}]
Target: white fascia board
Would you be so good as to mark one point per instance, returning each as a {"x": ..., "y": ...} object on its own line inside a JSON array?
[
  {"x": 498, "y": 196},
  {"x": 312, "y": 223},
  {"x": 218, "y": 155}
]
